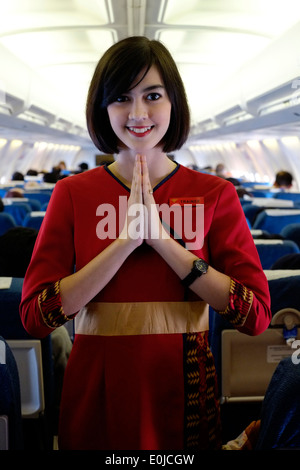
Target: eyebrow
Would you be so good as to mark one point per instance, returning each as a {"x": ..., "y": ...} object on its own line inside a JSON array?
[{"x": 153, "y": 87}]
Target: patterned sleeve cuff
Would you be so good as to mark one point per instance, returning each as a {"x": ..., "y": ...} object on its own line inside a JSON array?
[
  {"x": 240, "y": 301},
  {"x": 51, "y": 308}
]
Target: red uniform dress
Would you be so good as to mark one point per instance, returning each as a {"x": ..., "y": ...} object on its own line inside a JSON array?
[{"x": 141, "y": 374}]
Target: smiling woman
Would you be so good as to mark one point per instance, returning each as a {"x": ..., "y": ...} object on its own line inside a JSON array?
[{"x": 141, "y": 294}]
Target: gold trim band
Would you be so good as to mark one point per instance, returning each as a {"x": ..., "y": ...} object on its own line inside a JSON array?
[{"x": 142, "y": 318}]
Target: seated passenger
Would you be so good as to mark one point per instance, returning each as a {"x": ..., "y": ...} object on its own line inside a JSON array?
[
  {"x": 17, "y": 176},
  {"x": 283, "y": 180},
  {"x": 278, "y": 427},
  {"x": 14, "y": 192}
]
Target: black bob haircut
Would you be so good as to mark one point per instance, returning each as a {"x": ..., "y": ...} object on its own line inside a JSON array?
[{"x": 114, "y": 74}]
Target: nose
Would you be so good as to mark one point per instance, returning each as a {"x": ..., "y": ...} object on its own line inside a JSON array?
[{"x": 138, "y": 110}]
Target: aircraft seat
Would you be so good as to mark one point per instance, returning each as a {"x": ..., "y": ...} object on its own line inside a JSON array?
[
  {"x": 18, "y": 210},
  {"x": 274, "y": 220},
  {"x": 257, "y": 204},
  {"x": 12, "y": 329},
  {"x": 290, "y": 196},
  {"x": 259, "y": 192},
  {"x": 251, "y": 211},
  {"x": 284, "y": 292},
  {"x": 42, "y": 196},
  {"x": 11, "y": 432},
  {"x": 271, "y": 250},
  {"x": 291, "y": 232},
  {"x": 245, "y": 364},
  {"x": 248, "y": 362},
  {"x": 6, "y": 222},
  {"x": 34, "y": 219},
  {"x": 34, "y": 204}
]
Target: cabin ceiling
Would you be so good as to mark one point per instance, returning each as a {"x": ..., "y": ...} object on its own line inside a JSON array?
[{"x": 232, "y": 55}]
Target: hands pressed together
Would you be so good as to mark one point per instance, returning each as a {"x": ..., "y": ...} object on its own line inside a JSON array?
[{"x": 142, "y": 218}]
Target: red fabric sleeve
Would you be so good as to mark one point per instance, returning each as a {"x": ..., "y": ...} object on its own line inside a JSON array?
[
  {"x": 54, "y": 261},
  {"x": 233, "y": 252}
]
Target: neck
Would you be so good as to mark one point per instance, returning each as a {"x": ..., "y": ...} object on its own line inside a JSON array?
[{"x": 159, "y": 166}]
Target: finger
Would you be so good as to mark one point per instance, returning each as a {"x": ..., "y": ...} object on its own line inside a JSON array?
[
  {"x": 147, "y": 187},
  {"x": 136, "y": 185}
]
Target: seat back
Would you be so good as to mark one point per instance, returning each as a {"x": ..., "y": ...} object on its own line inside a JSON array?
[
  {"x": 290, "y": 196},
  {"x": 271, "y": 250},
  {"x": 284, "y": 292},
  {"x": 18, "y": 210},
  {"x": 42, "y": 196},
  {"x": 292, "y": 232},
  {"x": 34, "y": 204},
  {"x": 251, "y": 211},
  {"x": 274, "y": 220},
  {"x": 258, "y": 204},
  {"x": 6, "y": 222},
  {"x": 248, "y": 363},
  {"x": 34, "y": 219},
  {"x": 271, "y": 202}
]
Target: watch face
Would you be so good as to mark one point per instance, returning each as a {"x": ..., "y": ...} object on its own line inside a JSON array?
[{"x": 201, "y": 265}]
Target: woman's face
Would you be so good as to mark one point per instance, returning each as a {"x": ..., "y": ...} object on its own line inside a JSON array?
[{"x": 140, "y": 117}]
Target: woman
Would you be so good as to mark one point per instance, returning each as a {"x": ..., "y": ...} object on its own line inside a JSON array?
[{"x": 141, "y": 375}]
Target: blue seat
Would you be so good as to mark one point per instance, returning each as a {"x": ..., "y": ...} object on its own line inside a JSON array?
[
  {"x": 260, "y": 193},
  {"x": 34, "y": 204},
  {"x": 34, "y": 219},
  {"x": 6, "y": 222},
  {"x": 274, "y": 220},
  {"x": 292, "y": 232},
  {"x": 251, "y": 211},
  {"x": 18, "y": 210},
  {"x": 42, "y": 196},
  {"x": 288, "y": 196},
  {"x": 271, "y": 250}
]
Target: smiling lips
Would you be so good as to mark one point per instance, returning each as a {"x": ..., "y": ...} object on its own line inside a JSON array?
[{"x": 140, "y": 131}]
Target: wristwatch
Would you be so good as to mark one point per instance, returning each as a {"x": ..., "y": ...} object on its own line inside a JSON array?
[{"x": 199, "y": 267}]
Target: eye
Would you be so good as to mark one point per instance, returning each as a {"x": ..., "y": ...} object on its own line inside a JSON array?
[
  {"x": 121, "y": 99},
  {"x": 153, "y": 96}
]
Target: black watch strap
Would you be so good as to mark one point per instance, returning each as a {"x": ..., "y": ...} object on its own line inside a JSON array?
[
  {"x": 199, "y": 267},
  {"x": 189, "y": 279}
]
